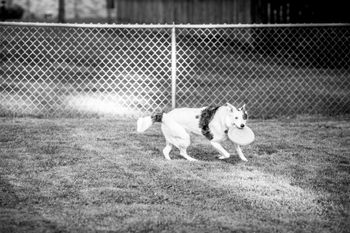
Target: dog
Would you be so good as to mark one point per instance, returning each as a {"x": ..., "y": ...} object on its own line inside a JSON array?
[{"x": 212, "y": 122}]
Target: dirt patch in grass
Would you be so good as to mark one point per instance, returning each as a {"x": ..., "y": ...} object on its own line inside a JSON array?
[{"x": 97, "y": 175}]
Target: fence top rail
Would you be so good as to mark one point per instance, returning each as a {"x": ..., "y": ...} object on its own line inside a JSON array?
[{"x": 99, "y": 25}]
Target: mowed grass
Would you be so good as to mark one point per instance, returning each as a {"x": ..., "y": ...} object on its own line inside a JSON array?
[{"x": 99, "y": 175}]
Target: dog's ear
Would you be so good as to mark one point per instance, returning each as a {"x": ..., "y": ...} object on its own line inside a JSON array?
[
  {"x": 244, "y": 111},
  {"x": 242, "y": 108},
  {"x": 232, "y": 108}
]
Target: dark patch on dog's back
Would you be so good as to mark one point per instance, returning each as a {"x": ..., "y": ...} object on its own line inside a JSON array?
[
  {"x": 157, "y": 117},
  {"x": 207, "y": 115}
]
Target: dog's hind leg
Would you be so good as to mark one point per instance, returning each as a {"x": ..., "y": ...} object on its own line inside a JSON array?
[
  {"x": 240, "y": 153},
  {"x": 183, "y": 142},
  {"x": 175, "y": 135},
  {"x": 166, "y": 150}
]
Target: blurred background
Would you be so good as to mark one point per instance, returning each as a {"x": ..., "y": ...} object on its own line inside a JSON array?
[{"x": 175, "y": 11}]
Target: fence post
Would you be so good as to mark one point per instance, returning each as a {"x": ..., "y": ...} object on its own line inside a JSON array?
[{"x": 173, "y": 67}]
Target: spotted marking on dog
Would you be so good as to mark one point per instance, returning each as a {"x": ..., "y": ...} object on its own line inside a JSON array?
[
  {"x": 157, "y": 117},
  {"x": 206, "y": 116}
]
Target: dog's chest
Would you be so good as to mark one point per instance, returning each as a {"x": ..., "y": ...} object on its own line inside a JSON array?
[{"x": 218, "y": 132}]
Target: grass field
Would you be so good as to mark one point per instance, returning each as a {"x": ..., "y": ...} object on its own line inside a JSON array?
[{"x": 99, "y": 175}]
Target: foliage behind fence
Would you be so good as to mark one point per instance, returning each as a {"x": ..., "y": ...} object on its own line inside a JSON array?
[{"x": 79, "y": 70}]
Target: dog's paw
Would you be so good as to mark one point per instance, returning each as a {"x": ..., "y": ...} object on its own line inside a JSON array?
[
  {"x": 192, "y": 159},
  {"x": 223, "y": 157},
  {"x": 242, "y": 157}
]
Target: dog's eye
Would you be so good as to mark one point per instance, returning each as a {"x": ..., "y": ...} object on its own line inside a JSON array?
[{"x": 236, "y": 118}]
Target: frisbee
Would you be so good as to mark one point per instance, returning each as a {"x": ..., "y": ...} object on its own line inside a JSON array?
[{"x": 242, "y": 137}]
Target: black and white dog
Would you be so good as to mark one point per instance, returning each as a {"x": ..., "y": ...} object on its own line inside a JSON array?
[{"x": 211, "y": 122}]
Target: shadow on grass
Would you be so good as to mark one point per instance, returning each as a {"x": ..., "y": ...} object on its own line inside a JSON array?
[
  {"x": 199, "y": 149},
  {"x": 8, "y": 199},
  {"x": 208, "y": 154},
  {"x": 14, "y": 219}
]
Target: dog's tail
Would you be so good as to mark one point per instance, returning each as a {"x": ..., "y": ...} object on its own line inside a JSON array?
[{"x": 143, "y": 123}]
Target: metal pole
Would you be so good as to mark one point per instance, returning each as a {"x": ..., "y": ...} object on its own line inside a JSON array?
[
  {"x": 61, "y": 11},
  {"x": 173, "y": 67}
]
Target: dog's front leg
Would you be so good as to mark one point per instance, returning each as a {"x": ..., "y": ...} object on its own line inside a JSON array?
[
  {"x": 240, "y": 153},
  {"x": 184, "y": 154},
  {"x": 224, "y": 154}
]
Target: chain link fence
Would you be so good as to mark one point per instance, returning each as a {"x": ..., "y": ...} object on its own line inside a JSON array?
[{"x": 62, "y": 70}]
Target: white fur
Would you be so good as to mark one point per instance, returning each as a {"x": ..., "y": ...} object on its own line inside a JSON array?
[{"x": 180, "y": 122}]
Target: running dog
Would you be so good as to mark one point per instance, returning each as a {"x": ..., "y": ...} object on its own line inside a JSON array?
[{"x": 211, "y": 122}]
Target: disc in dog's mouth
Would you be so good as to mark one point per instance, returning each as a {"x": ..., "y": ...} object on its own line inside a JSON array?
[{"x": 241, "y": 136}]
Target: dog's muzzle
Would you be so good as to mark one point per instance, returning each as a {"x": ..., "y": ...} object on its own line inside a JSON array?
[{"x": 241, "y": 126}]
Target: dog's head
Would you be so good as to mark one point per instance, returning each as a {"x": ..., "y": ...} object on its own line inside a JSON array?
[{"x": 236, "y": 117}]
